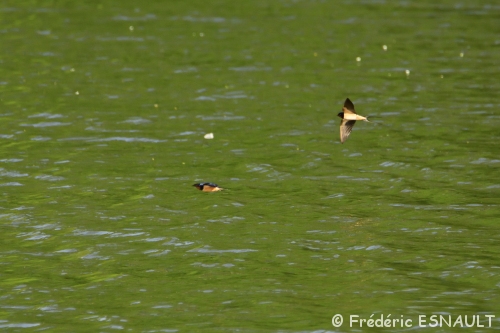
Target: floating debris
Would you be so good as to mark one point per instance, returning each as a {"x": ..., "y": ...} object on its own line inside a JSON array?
[{"x": 209, "y": 136}]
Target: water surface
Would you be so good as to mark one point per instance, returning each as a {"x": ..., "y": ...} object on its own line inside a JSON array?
[{"x": 103, "y": 112}]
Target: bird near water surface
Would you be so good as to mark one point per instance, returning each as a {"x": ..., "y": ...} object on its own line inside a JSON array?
[
  {"x": 208, "y": 187},
  {"x": 349, "y": 118}
]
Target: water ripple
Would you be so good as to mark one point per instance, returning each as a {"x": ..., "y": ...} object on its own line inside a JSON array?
[
  {"x": 126, "y": 139},
  {"x": 49, "y": 178},
  {"x": 47, "y": 124},
  {"x": 207, "y": 249},
  {"x": 249, "y": 69},
  {"x": 205, "y": 19},
  {"x": 37, "y": 235},
  {"x": 19, "y": 325},
  {"x": 12, "y": 184},
  {"x": 227, "y": 220},
  {"x": 186, "y": 70},
  {"x": 11, "y": 160},
  {"x": 228, "y": 95},
  {"x": 90, "y": 233},
  {"x": 146, "y": 17},
  {"x": 223, "y": 117},
  {"x": 485, "y": 161},
  {"x": 175, "y": 242},
  {"x": 136, "y": 121},
  {"x": 120, "y": 39},
  {"x": 12, "y": 174},
  {"x": 266, "y": 168},
  {"x": 46, "y": 115}
]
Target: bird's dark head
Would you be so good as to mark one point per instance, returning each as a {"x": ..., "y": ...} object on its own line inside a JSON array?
[
  {"x": 341, "y": 115},
  {"x": 198, "y": 186}
]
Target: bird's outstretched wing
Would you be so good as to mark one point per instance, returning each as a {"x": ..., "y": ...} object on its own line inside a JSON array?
[
  {"x": 345, "y": 129},
  {"x": 348, "y": 106}
]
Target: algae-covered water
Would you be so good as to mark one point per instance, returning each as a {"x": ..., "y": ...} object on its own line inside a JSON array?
[{"x": 103, "y": 111}]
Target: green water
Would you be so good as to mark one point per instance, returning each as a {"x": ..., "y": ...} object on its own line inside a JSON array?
[{"x": 103, "y": 111}]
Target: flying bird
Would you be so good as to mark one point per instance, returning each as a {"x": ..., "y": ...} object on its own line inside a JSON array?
[
  {"x": 208, "y": 187},
  {"x": 349, "y": 118}
]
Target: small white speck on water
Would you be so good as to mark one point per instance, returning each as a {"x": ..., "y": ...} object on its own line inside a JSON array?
[
  {"x": 131, "y": 28},
  {"x": 209, "y": 136},
  {"x": 461, "y": 54},
  {"x": 407, "y": 72},
  {"x": 77, "y": 93},
  {"x": 384, "y": 47},
  {"x": 358, "y": 59},
  {"x": 202, "y": 34}
]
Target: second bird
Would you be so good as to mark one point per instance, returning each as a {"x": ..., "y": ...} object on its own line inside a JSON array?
[
  {"x": 208, "y": 187},
  {"x": 349, "y": 118}
]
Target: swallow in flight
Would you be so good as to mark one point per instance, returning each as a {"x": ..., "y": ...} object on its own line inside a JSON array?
[
  {"x": 349, "y": 118},
  {"x": 208, "y": 187}
]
